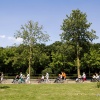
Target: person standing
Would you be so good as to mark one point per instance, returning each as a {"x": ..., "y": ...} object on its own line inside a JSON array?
[
  {"x": 47, "y": 77},
  {"x": 27, "y": 78},
  {"x": 84, "y": 76},
  {"x": 1, "y": 77},
  {"x": 21, "y": 75},
  {"x": 63, "y": 75}
]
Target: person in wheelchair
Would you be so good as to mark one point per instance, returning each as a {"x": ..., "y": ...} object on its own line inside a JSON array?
[
  {"x": 93, "y": 78},
  {"x": 97, "y": 77},
  {"x": 42, "y": 79},
  {"x": 21, "y": 79},
  {"x": 79, "y": 79},
  {"x": 15, "y": 80},
  {"x": 58, "y": 79}
]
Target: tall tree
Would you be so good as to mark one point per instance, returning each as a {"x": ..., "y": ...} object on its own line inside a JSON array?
[
  {"x": 31, "y": 33},
  {"x": 76, "y": 30}
]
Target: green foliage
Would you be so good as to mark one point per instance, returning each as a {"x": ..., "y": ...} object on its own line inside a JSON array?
[
  {"x": 31, "y": 33},
  {"x": 44, "y": 59},
  {"x": 92, "y": 58},
  {"x": 57, "y": 62},
  {"x": 76, "y": 30},
  {"x": 47, "y": 70},
  {"x": 59, "y": 56},
  {"x": 98, "y": 84},
  {"x": 31, "y": 71}
]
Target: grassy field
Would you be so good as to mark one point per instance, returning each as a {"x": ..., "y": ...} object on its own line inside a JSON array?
[{"x": 70, "y": 91}]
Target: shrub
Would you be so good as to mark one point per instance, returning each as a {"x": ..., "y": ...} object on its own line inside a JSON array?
[
  {"x": 31, "y": 70},
  {"x": 49, "y": 70},
  {"x": 98, "y": 84}
]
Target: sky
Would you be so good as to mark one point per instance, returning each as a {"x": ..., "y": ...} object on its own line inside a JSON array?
[{"x": 49, "y": 13}]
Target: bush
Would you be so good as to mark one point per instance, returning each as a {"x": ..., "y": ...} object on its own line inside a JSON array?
[
  {"x": 31, "y": 71},
  {"x": 49, "y": 70},
  {"x": 98, "y": 84}
]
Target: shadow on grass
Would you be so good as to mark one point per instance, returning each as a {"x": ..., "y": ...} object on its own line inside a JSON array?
[{"x": 4, "y": 87}]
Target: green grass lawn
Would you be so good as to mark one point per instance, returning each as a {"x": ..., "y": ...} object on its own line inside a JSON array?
[{"x": 70, "y": 91}]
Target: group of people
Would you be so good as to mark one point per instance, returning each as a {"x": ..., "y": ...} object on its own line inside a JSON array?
[
  {"x": 61, "y": 77},
  {"x": 81, "y": 78},
  {"x": 43, "y": 78},
  {"x": 21, "y": 78},
  {"x": 95, "y": 77}
]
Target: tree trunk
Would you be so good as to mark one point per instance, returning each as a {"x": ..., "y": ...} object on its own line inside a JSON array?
[
  {"x": 30, "y": 64},
  {"x": 78, "y": 66},
  {"x": 78, "y": 61},
  {"x": 89, "y": 70}
]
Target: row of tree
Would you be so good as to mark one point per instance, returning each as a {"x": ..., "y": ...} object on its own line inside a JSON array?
[
  {"x": 75, "y": 53},
  {"x": 54, "y": 58}
]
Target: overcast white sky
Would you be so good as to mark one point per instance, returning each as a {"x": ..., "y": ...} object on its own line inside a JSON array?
[{"x": 49, "y": 13}]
